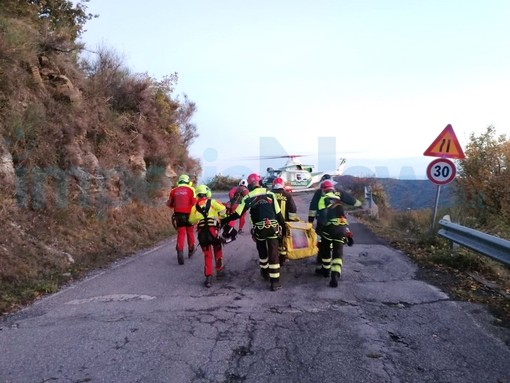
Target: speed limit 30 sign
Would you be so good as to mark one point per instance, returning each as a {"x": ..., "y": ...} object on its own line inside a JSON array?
[{"x": 441, "y": 171}]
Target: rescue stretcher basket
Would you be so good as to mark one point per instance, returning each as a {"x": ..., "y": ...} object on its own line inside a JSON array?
[{"x": 301, "y": 240}]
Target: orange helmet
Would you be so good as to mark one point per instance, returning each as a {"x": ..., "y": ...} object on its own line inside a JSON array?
[
  {"x": 327, "y": 185},
  {"x": 278, "y": 183}
]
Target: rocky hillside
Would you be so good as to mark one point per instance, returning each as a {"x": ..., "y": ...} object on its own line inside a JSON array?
[{"x": 88, "y": 151}]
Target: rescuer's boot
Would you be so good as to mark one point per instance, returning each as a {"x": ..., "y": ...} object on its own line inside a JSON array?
[
  {"x": 275, "y": 284},
  {"x": 321, "y": 271},
  {"x": 335, "y": 276},
  {"x": 264, "y": 273},
  {"x": 208, "y": 281},
  {"x": 180, "y": 257}
]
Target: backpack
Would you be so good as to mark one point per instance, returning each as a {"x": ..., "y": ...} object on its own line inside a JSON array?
[
  {"x": 204, "y": 227},
  {"x": 237, "y": 197},
  {"x": 323, "y": 215},
  {"x": 262, "y": 207}
]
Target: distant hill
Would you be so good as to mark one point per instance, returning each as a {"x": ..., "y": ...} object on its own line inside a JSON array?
[
  {"x": 416, "y": 194},
  {"x": 410, "y": 194}
]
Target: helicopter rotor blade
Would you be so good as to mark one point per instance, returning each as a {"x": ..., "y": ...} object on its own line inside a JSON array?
[{"x": 276, "y": 157}]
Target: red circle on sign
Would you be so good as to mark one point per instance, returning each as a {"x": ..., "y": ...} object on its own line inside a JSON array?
[{"x": 441, "y": 171}]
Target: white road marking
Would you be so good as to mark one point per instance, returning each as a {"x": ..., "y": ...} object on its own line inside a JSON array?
[{"x": 112, "y": 298}]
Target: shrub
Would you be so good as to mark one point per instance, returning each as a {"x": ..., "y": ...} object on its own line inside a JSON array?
[{"x": 220, "y": 182}]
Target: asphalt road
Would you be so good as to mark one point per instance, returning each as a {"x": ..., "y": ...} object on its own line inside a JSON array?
[{"x": 148, "y": 319}]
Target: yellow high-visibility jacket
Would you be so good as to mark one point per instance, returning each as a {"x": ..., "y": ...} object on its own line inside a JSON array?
[{"x": 216, "y": 211}]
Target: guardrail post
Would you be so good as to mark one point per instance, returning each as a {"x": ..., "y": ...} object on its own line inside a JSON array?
[{"x": 453, "y": 246}]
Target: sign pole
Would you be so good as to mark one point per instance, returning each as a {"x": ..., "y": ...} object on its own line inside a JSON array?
[{"x": 438, "y": 191}]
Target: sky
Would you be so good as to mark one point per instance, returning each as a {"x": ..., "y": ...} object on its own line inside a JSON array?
[{"x": 371, "y": 81}]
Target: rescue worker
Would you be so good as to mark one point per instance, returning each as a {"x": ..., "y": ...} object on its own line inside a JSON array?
[
  {"x": 207, "y": 214},
  {"x": 181, "y": 200},
  {"x": 333, "y": 229},
  {"x": 236, "y": 195},
  {"x": 288, "y": 208},
  {"x": 344, "y": 197},
  {"x": 268, "y": 224}
]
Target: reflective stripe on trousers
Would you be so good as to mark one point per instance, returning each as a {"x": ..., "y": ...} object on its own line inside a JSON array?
[{"x": 268, "y": 256}]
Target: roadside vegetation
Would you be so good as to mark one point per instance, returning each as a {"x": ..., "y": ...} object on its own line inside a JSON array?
[
  {"x": 88, "y": 151},
  {"x": 223, "y": 183}
]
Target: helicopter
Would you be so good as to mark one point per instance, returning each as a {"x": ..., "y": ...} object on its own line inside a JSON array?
[{"x": 296, "y": 175}]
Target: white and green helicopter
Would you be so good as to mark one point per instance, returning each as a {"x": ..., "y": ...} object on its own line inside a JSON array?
[{"x": 296, "y": 175}]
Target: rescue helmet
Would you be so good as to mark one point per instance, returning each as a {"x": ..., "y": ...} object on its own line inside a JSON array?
[
  {"x": 243, "y": 182},
  {"x": 278, "y": 183},
  {"x": 253, "y": 181},
  {"x": 203, "y": 191},
  {"x": 327, "y": 185},
  {"x": 183, "y": 179},
  {"x": 325, "y": 177}
]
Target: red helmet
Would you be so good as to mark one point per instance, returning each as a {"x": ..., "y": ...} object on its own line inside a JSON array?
[
  {"x": 278, "y": 183},
  {"x": 253, "y": 179},
  {"x": 327, "y": 185}
]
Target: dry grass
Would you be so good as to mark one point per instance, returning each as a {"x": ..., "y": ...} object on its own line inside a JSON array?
[{"x": 41, "y": 250}]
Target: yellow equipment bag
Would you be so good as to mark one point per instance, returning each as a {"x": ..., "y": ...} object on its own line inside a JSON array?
[{"x": 301, "y": 240}]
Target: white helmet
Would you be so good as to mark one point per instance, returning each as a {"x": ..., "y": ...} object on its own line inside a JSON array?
[{"x": 243, "y": 182}]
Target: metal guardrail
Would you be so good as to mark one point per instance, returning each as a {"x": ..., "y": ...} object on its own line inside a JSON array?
[{"x": 488, "y": 245}]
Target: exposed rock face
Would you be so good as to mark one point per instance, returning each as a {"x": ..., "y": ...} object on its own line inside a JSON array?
[
  {"x": 90, "y": 161},
  {"x": 81, "y": 175},
  {"x": 7, "y": 175},
  {"x": 64, "y": 88},
  {"x": 36, "y": 75},
  {"x": 169, "y": 172},
  {"x": 46, "y": 76},
  {"x": 138, "y": 165}
]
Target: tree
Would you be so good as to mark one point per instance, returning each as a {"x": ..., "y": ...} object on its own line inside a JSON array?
[
  {"x": 56, "y": 15},
  {"x": 484, "y": 176},
  {"x": 188, "y": 129}
]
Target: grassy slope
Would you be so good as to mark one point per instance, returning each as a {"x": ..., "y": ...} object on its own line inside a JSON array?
[{"x": 41, "y": 250}]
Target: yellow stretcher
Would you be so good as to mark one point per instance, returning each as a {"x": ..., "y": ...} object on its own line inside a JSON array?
[{"x": 301, "y": 240}]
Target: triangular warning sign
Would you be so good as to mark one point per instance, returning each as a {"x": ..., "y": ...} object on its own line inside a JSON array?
[{"x": 445, "y": 145}]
